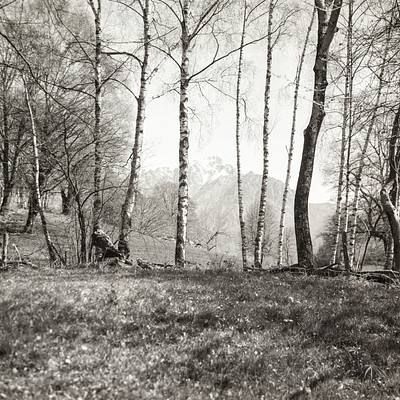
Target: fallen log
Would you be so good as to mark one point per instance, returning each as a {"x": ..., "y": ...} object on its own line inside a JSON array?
[
  {"x": 103, "y": 242},
  {"x": 150, "y": 265}
]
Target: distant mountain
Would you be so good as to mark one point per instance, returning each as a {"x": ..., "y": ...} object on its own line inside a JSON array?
[{"x": 213, "y": 189}]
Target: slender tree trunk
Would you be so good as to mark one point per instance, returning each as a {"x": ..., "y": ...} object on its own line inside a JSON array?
[
  {"x": 345, "y": 123},
  {"x": 394, "y": 220},
  {"x": 8, "y": 184},
  {"x": 346, "y": 259},
  {"x": 36, "y": 172},
  {"x": 7, "y": 196},
  {"x": 83, "y": 255},
  {"x": 98, "y": 158},
  {"x": 183, "y": 196},
  {"x": 238, "y": 157},
  {"x": 130, "y": 198},
  {"x": 258, "y": 243},
  {"x": 291, "y": 146},
  {"x": 389, "y": 252},
  {"x": 327, "y": 21},
  {"x": 358, "y": 176}
]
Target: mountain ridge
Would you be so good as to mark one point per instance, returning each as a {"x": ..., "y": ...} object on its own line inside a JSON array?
[{"x": 213, "y": 189}]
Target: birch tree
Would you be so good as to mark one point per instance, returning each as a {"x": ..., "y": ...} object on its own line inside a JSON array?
[
  {"x": 132, "y": 190},
  {"x": 96, "y": 8},
  {"x": 192, "y": 24},
  {"x": 346, "y": 122},
  {"x": 238, "y": 157},
  {"x": 328, "y": 14},
  {"x": 258, "y": 243}
]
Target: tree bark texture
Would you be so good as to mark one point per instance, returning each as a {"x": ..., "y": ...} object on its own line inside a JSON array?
[
  {"x": 98, "y": 83},
  {"x": 183, "y": 196},
  {"x": 130, "y": 198},
  {"x": 346, "y": 122},
  {"x": 5, "y": 205},
  {"x": 238, "y": 156},
  {"x": 327, "y": 22},
  {"x": 258, "y": 243},
  {"x": 291, "y": 145}
]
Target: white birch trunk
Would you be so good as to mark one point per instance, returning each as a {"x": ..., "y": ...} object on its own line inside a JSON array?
[
  {"x": 183, "y": 197},
  {"x": 98, "y": 157},
  {"x": 238, "y": 159},
  {"x": 258, "y": 244},
  {"x": 291, "y": 146},
  {"x": 345, "y": 124},
  {"x": 130, "y": 198}
]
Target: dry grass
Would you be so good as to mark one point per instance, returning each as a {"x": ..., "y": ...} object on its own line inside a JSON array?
[{"x": 201, "y": 335}]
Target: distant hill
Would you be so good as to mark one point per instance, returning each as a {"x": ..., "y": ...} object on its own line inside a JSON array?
[{"x": 213, "y": 189}]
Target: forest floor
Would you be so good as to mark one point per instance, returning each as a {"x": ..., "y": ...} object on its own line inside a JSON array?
[
  {"x": 32, "y": 246},
  {"x": 134, "y": 334}
]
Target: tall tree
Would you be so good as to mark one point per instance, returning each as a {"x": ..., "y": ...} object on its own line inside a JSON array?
[
  {"x": 98, "y": 84},
  {"x": 238, "y": 157},
  {"x": 328, "y": 15},
  {"x": 192, "y": 22},
  {"x": 346, "y": 122},
  {"x": 264, "y": 180},
  {"x": 132, "y": 190}
]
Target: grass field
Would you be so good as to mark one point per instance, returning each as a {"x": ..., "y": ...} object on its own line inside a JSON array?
[{"x": 90, "y": 334}]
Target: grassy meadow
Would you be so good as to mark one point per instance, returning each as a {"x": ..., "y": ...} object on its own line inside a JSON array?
[{"x": 92, "y": 334}]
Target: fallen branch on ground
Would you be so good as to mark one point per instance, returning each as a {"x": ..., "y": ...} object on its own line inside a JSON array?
[
  {"x": 383, "y": 276},
  {"x": 149, "y": 265}
]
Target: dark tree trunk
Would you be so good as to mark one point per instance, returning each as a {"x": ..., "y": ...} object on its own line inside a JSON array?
[
  {"x": 7, "y": 196},
  {"x": 67, "y": 197},
  {"x": 327, "y": 21},
  {"x": 32, "y": 212}
]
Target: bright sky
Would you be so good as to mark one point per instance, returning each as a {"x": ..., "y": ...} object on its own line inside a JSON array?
[{"x": 215, "y": 134}]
